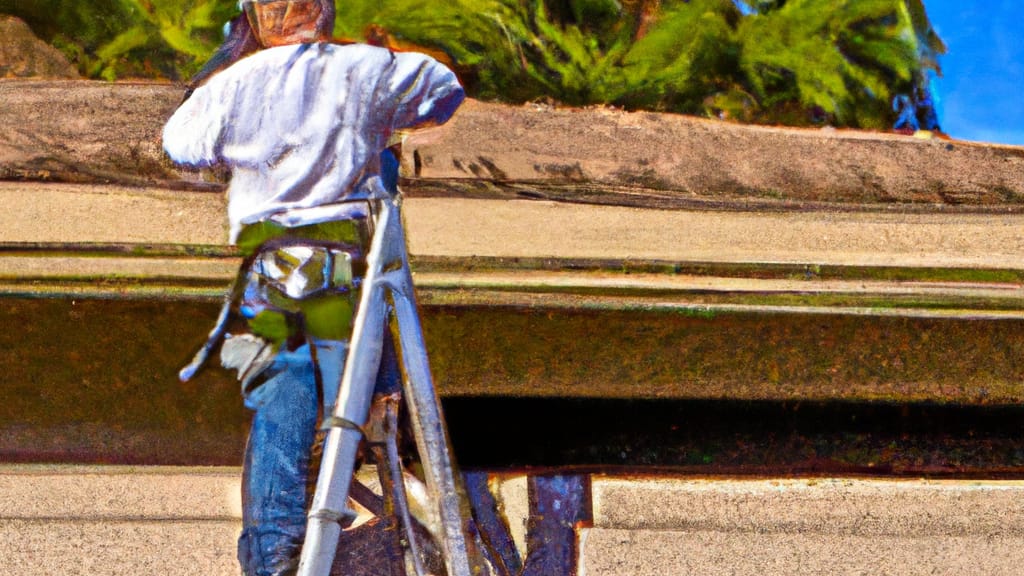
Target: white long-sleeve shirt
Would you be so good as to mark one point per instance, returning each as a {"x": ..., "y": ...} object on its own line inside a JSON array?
[{"x": 304, "y": 126}]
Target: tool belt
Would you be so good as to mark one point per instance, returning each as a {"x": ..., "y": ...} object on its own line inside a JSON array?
[
  {"x": 303, "y": 281},
  {"x": 300, "y": 280}
]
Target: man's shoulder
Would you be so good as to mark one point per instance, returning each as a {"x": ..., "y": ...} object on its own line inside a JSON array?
[
  {"x": 317, "y": 63},
  {"x": 328, "y": 50},
  {"x": 283, "y": 59}
]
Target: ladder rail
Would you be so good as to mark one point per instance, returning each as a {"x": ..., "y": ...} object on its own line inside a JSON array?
[{"x": 388, "y": 274}]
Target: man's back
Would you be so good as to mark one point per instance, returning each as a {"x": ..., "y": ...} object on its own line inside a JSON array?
[{"x": 303, "y": 126}]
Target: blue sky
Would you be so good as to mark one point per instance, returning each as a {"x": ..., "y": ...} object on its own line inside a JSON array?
[{"x": 982, "y": 84}]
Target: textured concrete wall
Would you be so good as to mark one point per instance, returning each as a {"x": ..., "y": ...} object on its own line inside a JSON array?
[{"x": 102, "y": 132}]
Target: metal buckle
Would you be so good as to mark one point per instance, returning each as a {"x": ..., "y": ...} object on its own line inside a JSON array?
[{"x": 300, "y": 271}]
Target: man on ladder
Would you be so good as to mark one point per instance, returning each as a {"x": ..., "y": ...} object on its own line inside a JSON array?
[{"x": 305, "y": 127}]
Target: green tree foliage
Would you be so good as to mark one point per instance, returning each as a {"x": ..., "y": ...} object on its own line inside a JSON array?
[
  {"x": 474, "y": 35},
  {"x": 668, "y": 69},
  {"x": 129, "y": 38},
  {"x": 77, "y": 28},
  {"x": 191, "y": 29},
  {"x": 844, "y": 58},
  {"x": 769, "y": 61},
  {"x": 573, "y": 51},
  {"x": 777, "y": 61}
]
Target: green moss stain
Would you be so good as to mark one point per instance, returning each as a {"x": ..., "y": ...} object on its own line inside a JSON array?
[
  {"x": 111, "y": 365},
  {"x": 725, "y": 270},
  {"x": 631, "y": 354}
]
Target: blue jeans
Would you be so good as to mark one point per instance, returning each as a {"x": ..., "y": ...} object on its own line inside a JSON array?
[{"x": 278, "y": 454}]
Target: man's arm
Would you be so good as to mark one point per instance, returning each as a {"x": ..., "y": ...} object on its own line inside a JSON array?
[
  {"x": 428, "y": 92},
  {"x": 192, "y": 135}
]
